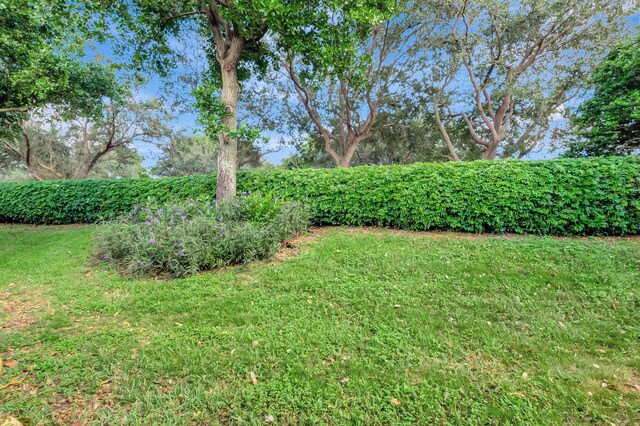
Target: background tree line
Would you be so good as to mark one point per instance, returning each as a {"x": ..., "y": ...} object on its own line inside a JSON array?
[{"x": 370, "y": 82}]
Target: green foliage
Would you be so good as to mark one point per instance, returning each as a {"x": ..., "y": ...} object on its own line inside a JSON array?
[
  {"x": 185, "y": 155},
  {"x": 211, "y": 115},
  {"x": 182, "y": 238},
  {"x": 322, "y": 31},
  {"x": 559, "y": 197},
  {"x": 325, "y": 34},
  {"x": 42, "y": 44},
  {"x": 610, "y": 120},
  {"x": 101, "y": 145},
  {"x": 512, "y": 66}
]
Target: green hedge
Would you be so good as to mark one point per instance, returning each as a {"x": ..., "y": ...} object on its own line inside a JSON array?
[{"x": 559, "y": 197}]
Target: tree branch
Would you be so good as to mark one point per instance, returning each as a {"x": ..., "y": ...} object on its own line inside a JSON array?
[{"x": 14, "y": 109}]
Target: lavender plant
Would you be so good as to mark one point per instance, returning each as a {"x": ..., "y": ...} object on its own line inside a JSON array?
[{"x": 184, "y": 237}]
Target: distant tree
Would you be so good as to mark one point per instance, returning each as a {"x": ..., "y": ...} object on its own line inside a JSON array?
[
  {"x": 343, "y": 107},
  {"x": 189, "y": 155},
  {"x": 506, "y": 68},
  {"x": 408, "y": 134},
  {"x": 14, "y": 174},
  {"x": 10, "y": 169},
  {"x": 402, "y": 134},
  {"x": 186, "y": 155},
  {"x": 610, "y": 120},
  {"x": 324, "y": 33},
  {"x": 41, "y": 44},
  {"x": 100, "y": 145}
]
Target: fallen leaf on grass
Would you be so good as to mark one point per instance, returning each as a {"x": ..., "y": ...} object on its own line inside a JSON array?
[
  {"x": 632, "y": 386},
  {"x": 269, "y": 419},
  {"x": 11, "y": 421},
  {"x": 10, "y": 363},
  {"x": 344, "y": 380},
  {"x": 12, "y": 382},
  {"x": 395, "y": 401},
  {"x": 254, "y": 379}
]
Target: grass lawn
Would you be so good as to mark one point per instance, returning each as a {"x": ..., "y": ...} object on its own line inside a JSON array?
[{"x": 359, "y": 327}]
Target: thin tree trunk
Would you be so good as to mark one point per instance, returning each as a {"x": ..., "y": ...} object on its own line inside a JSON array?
[
  {"x": 83, "y": 169},
  {"x": 34, "y": 174},
  {"x": 443, "y": 132},
  {"x": 228, "y": 150},
  {"x": 326, "y": 137}
]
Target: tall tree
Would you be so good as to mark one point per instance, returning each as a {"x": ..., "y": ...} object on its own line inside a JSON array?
[
  {"x": 324, "y": 33},
  {"x": 506, "y": 68},
  {"x": 344, "y": 107},
  {"x": 609, "y": 122}
]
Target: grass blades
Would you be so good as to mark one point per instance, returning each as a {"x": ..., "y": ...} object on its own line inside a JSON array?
[{"x": 360, "y": 327}]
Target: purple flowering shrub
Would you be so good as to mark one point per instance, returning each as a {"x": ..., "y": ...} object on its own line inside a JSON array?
[{"x": 182, "y": 238}]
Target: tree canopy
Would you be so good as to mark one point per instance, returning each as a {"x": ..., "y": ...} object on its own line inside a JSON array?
[
  {"x": 42, "y": 45},
  {"x": 610, "y": 120},
  {"x": 508, "y": 67},
  {"x": 324, "y": 33},
  {"x": 344, "y": 82},
  {"x": 49, "y": 146}
]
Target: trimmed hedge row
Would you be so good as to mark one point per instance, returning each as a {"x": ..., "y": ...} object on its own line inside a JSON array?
[{"x": 556, "y": 197}]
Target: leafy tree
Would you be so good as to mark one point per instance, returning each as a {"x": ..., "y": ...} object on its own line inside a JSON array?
[
  {"x": 191, "y": 155},
  {"x": 101, "y": 145},
  {"x": 186, "y": 155},
  {"x": 408, "y": 134},
  {"x": 343, "y": 107},
  {"x": 41, "y": 44},
  {"x": 506, "y": 68},
  {"x": 402, "y": 134},
  {"x": 324, "y": 33},
  {"x": 610, "y": 120}
]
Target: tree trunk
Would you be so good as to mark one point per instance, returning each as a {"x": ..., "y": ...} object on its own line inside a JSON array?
[
  {"x": 85, "y": 166},
  {"x": 228, "y": 149},
  {"x": 82, "y": 171},
  {"x": 345, "y": 161},
  {"x": 443, "y": 130},
  {"x": 492, "y": 151},
  {"x": 489, "y": 154}
]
